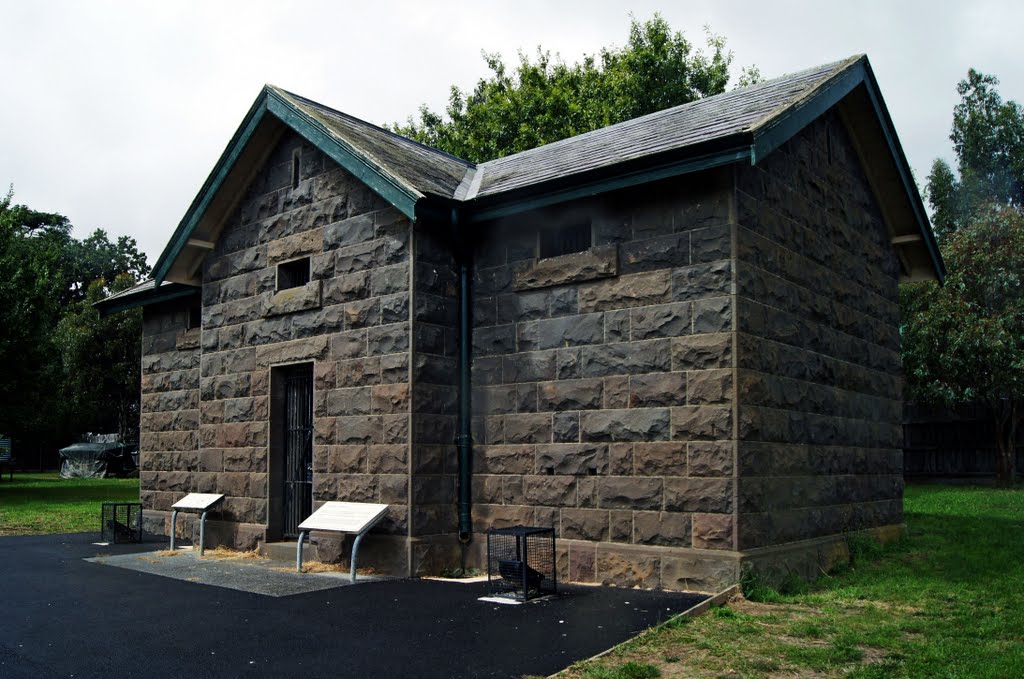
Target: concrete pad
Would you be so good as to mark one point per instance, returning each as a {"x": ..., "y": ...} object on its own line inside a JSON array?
[{"x": 258, "y": 576}]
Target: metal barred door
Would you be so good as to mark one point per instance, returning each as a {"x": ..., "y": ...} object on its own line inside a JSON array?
[{"x": 298, "y": 449}]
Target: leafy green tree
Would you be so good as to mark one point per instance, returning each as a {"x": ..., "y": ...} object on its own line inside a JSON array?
[
  {"x": 47, "y": 277},
  {"x": 988, "y": 140},
  {"x": 964, "y": 342},
  {"x": 100, "y": 360},
  {"x": 543, "y": 100}
]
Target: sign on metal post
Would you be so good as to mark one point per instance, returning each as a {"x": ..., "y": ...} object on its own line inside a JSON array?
[
  {"x": 201, "y": 502},
  {"x": 341, "y": 517}
]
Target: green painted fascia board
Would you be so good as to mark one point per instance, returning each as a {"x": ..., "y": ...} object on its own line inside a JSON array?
[
  {"x": 889, "y": 130},
  {"x": 485, "y": 212},
  {"x": 209, "y": 189},
  {"x": 106, "y": 307},
  {"x": 787, "y": 125},
  {"x": 269, "y": 101},
  {"x": 399, "y": 196}
]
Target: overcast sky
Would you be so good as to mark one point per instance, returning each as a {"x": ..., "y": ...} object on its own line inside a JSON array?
[{"x": 114, "y": 112}]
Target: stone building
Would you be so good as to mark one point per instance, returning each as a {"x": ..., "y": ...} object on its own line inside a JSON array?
[{"x": 674, "y": 339}]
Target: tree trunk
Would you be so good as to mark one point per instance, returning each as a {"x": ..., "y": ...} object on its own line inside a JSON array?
[{"x": 1006, "y": 419}]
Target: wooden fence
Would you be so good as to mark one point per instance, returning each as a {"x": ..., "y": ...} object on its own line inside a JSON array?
[{"x": 947, "y": 442}]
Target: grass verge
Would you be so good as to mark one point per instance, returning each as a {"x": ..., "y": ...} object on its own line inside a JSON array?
[
  {"x": 944, "y": 601},
  {"x": 36, "y": 504}
]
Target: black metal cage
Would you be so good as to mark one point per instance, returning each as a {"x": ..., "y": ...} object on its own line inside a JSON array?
[
  {"x": 521, "y": 562},
  {"x": 121, "y": 522}
]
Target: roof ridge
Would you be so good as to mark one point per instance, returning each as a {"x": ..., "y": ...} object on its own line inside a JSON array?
[
  {"x": 837, "y": 68},
  {"x": 671, "y": 110},
  {"x": 360, "y": 121}
]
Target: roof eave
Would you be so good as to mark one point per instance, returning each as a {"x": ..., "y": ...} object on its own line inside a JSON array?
[
  {"x": 155, "y": 295},
  {"x": 271, "y": 101},
  {"x": 776, "y": 131},
  {"x": 723, "y": 151}
]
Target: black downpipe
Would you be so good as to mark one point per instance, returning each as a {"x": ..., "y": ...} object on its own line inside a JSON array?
[{"x": 464, "y": 440}]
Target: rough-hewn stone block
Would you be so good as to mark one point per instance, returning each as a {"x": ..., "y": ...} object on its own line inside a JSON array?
[
  {"x": 584, "y": 524},
  {"x": 291, "y": 300},
  {"x": 619, "y": 492},
  {"x": 710, "y": 458},
  {"x": 570, "y": 394},
  {"x": 582, "y": 459},
  {"x": 657, "y": 390},
  {"x": 701, "y": 422},
  {"x": 597, "y": 262},
  {"x": 710, "y": 387},
  {"x": 565, "y": 331},
  {"x": 640, "y": 424},
  {"x": 713, "y": 531},
  {"x": 626, "y": 291},
  {"x": 661, "y": 528},
  {"x": 664, "y": 458},
  {"x": 701, "y": 352},
  {"x": 699, "y": 495},
  {"x": 313, "y": 348},
  {"x": 661, "y": 320}
]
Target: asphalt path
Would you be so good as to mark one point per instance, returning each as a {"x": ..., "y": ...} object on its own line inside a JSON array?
[{"x": 63, "y": 616}]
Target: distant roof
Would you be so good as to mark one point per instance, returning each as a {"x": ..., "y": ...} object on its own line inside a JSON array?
[
  {"x": 744, "y": 124},
  {"x": 146, "y": 292}
]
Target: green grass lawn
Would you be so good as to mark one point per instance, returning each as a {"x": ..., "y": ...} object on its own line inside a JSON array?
[
  {"x": 947, "y": 600},
  {"x": 35, "y": 504}
]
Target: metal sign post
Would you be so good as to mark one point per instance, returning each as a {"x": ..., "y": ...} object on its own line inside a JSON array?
[
  {"x": 341, "y": 517},
  {"x": 202, "y": 502}
]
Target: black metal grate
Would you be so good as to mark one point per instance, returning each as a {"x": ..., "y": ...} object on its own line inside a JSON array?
[
  {"x": 565, "y": 239},
  {"x": 121, "y": 522},
  {"x": 521, "y": 562},
  {"x": 298, "y": 448},
  {"x": 293, "y": 274}
]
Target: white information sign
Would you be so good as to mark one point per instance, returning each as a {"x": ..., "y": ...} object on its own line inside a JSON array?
[
  {"x": 198, "y": 501},
  {"x": 344, "y": 517}
]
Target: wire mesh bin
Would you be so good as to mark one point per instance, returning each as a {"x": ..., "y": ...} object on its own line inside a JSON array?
[
  {"x": 121, "y": 522},
  {"x": 521, "y": 562}
]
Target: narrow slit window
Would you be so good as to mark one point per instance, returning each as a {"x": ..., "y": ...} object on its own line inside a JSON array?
[
  {"x": 195, "y": 317},
  {"x": 293, "y": 274},
  {"x": 296, "y": 167},
  {"x": 565, "y": 240}
]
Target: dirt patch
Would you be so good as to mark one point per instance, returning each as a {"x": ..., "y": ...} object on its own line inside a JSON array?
[
  {"x": 321, "y": 567},
  {"x": 225, "y": 553},
  {"x": 167, "y": 553}
]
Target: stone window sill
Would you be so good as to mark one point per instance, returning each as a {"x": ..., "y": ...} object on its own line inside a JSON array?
[
  {"x": 300, "y": 298},
  {"x": 597, "y": 262},
  {"x": 189, "y": 339}
]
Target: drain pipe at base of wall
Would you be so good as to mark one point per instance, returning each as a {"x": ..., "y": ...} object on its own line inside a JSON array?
[{"x": 464, "y": 439}]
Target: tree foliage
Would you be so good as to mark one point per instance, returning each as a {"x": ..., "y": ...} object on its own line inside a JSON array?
[
  {"x": 988, "y": 140},
  {"x": 54, "y": 347},
  {"x": 543, "y": 100},
  {"x": 964, "y": 342}
]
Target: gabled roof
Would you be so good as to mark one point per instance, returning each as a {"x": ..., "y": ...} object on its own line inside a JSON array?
[
  {"x": 710, "y": 119},
  {"x": 741, "y": 125},
  {"x": 422, "y": 168}
]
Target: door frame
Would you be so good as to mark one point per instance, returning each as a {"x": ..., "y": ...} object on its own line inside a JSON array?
[{"x": 276, "y": 451}]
